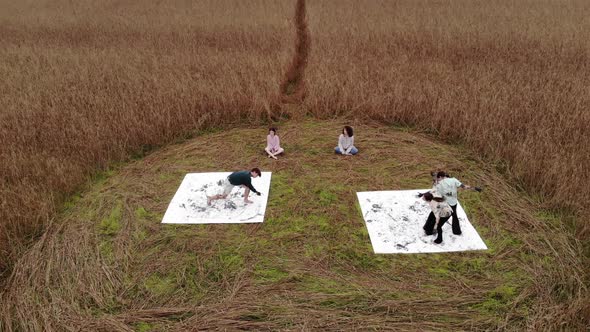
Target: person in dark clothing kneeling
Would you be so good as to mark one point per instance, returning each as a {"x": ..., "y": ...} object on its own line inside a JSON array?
[{"x": 241, "y": 178}]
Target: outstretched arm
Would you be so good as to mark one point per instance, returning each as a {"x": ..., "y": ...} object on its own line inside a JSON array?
[
  {"x": 466, "y": 187},
  {"x": 251, "y": 187}
]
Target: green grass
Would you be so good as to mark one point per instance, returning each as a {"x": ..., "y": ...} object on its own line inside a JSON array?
[
  {"x": 267, "y": 271},
  {"x": 161, "y": 285},
  {"x": 143, "y": 327},
  {"x": 497, "y": 300},
  {"x": 313, "y": 252},
  {"x": 112, "y": 224}
]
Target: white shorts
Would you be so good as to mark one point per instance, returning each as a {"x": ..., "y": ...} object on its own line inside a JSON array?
[{"x": 227, "y": 187}]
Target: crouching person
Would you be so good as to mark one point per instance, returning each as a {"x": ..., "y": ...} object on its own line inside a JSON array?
[
  {"x": 242, "y": 179},
  {"x": 441, "y": 213}
]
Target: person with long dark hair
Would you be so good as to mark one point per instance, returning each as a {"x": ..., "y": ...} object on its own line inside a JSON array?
[
  {"x": 346, "y": 142},
  {"x": 441, "y": 213},
  {"x": 273, "y": 144}
]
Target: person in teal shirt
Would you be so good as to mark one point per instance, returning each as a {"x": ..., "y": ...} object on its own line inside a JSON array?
[
  {"x": 235, "y": 179},
  {"x": 447, "y": 186}
]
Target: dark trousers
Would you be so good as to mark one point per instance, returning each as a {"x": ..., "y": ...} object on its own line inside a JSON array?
[
  {"x": 455, "y": 225},
  {"x": 429, "y": 226}
]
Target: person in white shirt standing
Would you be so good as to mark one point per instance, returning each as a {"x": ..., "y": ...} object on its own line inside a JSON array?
[
  {"x": 447, "y": 187},
  {"x": 346, "y": 142}
]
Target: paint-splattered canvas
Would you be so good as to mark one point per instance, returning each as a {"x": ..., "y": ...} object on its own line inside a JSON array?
[
  {"x": 394, "y": 221},
  {"x": 189, "y": 205}
]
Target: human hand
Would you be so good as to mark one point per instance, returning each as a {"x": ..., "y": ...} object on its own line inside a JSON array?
[{"x": 478, "y": 189}]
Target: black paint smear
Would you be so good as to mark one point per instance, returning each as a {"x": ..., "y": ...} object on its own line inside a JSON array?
[
  {"x": 404, "y": 246},
  {"x": 254, "y": 216},
  {"x": 230, "y": 205},
  {"x": 376, "y": 208}
]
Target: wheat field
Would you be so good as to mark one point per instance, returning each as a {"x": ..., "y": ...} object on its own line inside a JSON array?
[{"x": 88, "y": 83}]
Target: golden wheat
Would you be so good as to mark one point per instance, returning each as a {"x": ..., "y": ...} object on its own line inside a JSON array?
[{"x": 87, "y": 83}]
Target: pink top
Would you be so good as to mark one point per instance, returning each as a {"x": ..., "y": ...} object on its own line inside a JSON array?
[{"x": 273, "y": 143}]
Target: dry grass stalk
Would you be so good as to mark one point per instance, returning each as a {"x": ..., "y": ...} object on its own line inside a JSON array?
[
  {"x": 178, "y": 278},
  {"x": 83, "y": 88}
]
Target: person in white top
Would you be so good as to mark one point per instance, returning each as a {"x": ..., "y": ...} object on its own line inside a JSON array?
[
  {"x": 441, "y": 212},
  {"x": 447, "y": 186},
  {"x": 273, "y": 144},
  {"x": 346, "y": 142}
]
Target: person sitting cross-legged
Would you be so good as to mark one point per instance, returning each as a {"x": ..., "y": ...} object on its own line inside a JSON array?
[
  {"x": 273, "y": 144},
  {"x": 346, "y": 142}
]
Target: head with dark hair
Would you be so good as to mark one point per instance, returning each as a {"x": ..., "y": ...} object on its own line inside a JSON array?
[
  {"x": 347, "y": 130},
  {"x": 256, "y": 171},
  {"x": 442, "y": 174},
  {"x": 429, "y": 197},
  {"x": 273, "y": 130}
]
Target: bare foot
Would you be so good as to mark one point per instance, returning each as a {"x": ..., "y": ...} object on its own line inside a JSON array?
[
  {"x": 275, "y": 157},
  {"x": 247, "y": 201}
]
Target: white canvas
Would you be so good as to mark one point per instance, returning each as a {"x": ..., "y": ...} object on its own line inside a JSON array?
[
  {"x": 394, "y": 221},
  {"x": 189, "y": 205}
]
